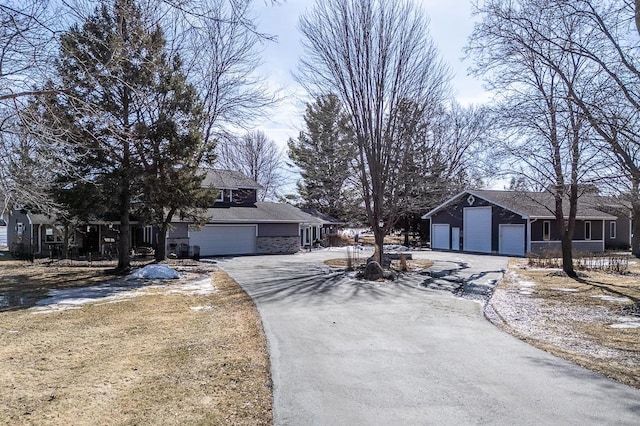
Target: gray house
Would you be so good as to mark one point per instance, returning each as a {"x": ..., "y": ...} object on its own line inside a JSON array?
[
  {"x": 238, "y": 224},
  {"x": 518, "y": 222},
  {"x": 40, "y": 235}
]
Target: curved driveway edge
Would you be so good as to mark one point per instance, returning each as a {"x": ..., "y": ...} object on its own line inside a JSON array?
[{"x": 345, "y": 352}]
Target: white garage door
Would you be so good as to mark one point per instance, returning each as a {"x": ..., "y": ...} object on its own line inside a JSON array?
[
  {"x": 477, "y": 229},
  {"x": 3, "y": 236},
  {"x": 512, "y": 240},
  {"x": 440, "y": 236},
  {"x": 221, "y": 240}
]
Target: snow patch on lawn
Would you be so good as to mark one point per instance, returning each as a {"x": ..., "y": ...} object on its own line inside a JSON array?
[
  {"x": 612, "y": 298},
  {"x": 626, "y": 322},
  {"x": 75, "y": 298},
  {"x": 526, "y": 287},
  {"x": 201, "y": 308},
  {"x": 193, "y": 288},
  {"x": 566, "y": 290},
  {"x": 158, "y": 271}
]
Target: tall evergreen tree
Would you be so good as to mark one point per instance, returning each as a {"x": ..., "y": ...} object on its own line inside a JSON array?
[
  {"x": 132, "y": 118},
  {"x": 171, "y": 149},
  {"x": 323, "y": 154}
]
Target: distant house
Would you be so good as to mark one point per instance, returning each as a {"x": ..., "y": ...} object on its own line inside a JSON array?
[
  {"x": 517, "y": 222},
  {"x": 238, "y": 224},
  {"x": 39, "y": 234}
]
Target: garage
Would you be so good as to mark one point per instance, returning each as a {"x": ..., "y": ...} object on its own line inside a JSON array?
[
  {"x": 216, "y": 240},
  {"x": 440, "y": 237},
  {"x": 477, "y": 229},
  {"x": 512, "y": 240}
]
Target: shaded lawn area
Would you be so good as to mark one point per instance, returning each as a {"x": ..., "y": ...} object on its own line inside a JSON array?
[
  {"x": 22, "y": 284},
  {"x": 160, "y": 358}
]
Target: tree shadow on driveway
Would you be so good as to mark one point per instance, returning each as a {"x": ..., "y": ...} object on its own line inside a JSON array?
[{"x": 316, "y": 288}]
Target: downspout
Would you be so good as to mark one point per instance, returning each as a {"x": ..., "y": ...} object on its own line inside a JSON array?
[{"x": 603, "y": 234}]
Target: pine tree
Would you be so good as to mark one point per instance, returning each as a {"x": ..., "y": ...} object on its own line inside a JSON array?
[
  {"x": 132, "y": 118},
  {"x": 171, "y": 150},
  {"x": 323, "y": 154}
]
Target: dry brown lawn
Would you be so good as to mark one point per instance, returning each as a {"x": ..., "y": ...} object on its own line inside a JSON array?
[
  {"x": 587, "y": 321},
  {"x": 159, "y": 358}
]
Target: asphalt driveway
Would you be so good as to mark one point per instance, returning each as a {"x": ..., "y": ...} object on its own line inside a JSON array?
[{"x": 346, "y": 352}]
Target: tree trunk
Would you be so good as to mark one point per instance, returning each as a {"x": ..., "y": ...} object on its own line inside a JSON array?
[
  {"x": 379, "y": 241},
  {"x": 161, "y": 249},
  {"x": 635, "y": 237},
  {"x": 637, "y": 15},
  {"x": 406, "y": 231},
  {"x": 124, "y": 246},
  {"x": 567, "y": 255},
  {"x": 65, "y": 242}
]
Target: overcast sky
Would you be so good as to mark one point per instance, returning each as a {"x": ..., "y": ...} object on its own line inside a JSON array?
[{"x": 451, "y": 24}]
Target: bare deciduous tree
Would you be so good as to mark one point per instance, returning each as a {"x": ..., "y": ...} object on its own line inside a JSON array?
[
  {"x": 374, "y": 55},
  {"x": 615, "y": 113},
  {"x": 257, "y": 157},
  {"x": 543, "y": 129}
]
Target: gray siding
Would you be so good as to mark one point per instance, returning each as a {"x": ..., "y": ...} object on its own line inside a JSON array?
[
  {"x": 13, "y": 237},
  {"x": 623, "y": 232},
  {"x": 539, "y": 247},
  {"x": 278, "y": 230},
  {"x": 578, "y": 234},
  {"x": 180, "y": 230}
]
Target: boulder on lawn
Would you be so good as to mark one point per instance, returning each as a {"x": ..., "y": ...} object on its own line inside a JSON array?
[{"x": 373, "y": 271}]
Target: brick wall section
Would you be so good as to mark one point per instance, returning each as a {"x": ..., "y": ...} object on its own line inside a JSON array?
[{"x": 277, "y": 245}]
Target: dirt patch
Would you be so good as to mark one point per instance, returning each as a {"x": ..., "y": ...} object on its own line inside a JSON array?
[
  {"x": 591, "y": 321},
  {"x": 165, "y": 357}
]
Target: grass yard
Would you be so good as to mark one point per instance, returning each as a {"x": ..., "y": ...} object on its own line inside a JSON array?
[
  {"x": 593, "y": 321},
  {"x": 164, "y": 357}
]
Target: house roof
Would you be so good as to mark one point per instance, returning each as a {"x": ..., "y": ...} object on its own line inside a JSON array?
[
  {"x": 529, "y": 204},
  {"x": 229, "y": 179},
  {"x": 324, "y": 217},
  {"x": 263, "y": 212},
  {"x": 41, "y": 219}
]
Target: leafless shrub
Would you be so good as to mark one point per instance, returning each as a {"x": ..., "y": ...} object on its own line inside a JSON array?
[
  {"x": 612, "y": 263},
  {"x": 545, "y": 259}
]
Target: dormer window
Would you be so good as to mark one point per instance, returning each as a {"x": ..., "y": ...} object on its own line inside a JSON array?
[{"x": 220, "y": 195}]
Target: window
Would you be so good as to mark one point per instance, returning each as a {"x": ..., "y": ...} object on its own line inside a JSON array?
[
  {"x": 546, "y": 230},
  {"x": 49, "y": 238},
  {"x": 220, "y": 195},
  {"x": 612, "y": 230},
  {"x": 148, "y": 235},
  {"x": 587, "y": 230}
]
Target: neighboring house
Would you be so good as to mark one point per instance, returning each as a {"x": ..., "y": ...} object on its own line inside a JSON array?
[
  {"x": 41, "y": 236},
  {"x": 238, "y": 224},
  {"x": 517, "y": 222}
]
